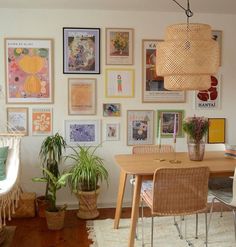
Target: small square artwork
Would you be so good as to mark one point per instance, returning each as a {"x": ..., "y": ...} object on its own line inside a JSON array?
[
  {"x": 42, "y": 121},
  {"x": 112, "y": 132},
  {"x": 82, "y": 132}
]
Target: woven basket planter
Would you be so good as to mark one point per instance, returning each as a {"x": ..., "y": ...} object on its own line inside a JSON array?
[
  {"x": 41, "y": 205},
  {"x": 55, "y": 220},
  {"x": 88, "y": 204}
]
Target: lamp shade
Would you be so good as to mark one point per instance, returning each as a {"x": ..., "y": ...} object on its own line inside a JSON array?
[{"x": 188, "y": 57}]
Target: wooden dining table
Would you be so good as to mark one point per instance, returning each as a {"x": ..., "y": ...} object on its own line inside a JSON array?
[{"x": 142, "y": 166}]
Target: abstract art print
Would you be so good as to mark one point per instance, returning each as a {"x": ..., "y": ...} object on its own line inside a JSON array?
[
  {"x": 112, "y": 132},
  {"x": 17, "y": 120},
  {"x": 81, "y": 50},
  {"x": 119, "y": 46},
  {"x": 111, "y": 110},
  {"x": 29, "y": 70},
  {"x": 42, "y": 121},
  {"x": 82, "y": 96},
  {"x": 140, "y": 129},
  {"x": 82, "y": 132},
  {"x": 153, "y": 85}
]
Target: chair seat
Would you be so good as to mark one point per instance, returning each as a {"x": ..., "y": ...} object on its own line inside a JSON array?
[{"x": 223, "y": 194}]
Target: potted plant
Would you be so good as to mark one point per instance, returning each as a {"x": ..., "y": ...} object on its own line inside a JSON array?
[
  {"x": 50, "y": 157},
  {"x": 196, "y": 129},
  {"x": 86, "y": 171},
  {"x": 54, "y": 215}
]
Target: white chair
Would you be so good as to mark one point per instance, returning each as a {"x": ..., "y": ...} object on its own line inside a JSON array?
[{"x": 227, "y": 197}]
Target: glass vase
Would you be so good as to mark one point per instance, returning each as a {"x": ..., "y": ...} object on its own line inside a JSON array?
[{"x": 196, "y": 150}]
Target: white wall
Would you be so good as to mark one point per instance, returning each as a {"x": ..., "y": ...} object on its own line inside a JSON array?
[{"x": 147, "y": 25}]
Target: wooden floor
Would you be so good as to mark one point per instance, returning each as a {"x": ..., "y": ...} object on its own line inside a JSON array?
[{"x": 33, "y": 232}]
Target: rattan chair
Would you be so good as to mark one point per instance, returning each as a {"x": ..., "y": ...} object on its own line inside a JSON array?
[
  {"x": 226, "y": 196},
  {"x": 177, "y": 192}
]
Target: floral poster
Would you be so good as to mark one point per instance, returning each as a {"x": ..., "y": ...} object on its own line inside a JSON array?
[
  {"x": 42, "y": 121},
  {"x": 29, "y": 70},
  {"x": 81, "y": 50},
  {"x": 209, "y": 99},
  {"x": 152, "y": 84},
  {"x": 119, "y": 46}
]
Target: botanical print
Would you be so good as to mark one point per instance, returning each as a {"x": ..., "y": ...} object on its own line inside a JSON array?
[
  {"x": 81, "y": 50},
  {"x": 119, "y": 46},
  {"x": 41, "y": 121},
  {"x": 140, "y": 127},
  {"x": 171, "y": 122},
  {"x": 28, "y": 71},
  {"x": 82, "y": 132},
  {"x": 153, "y": 85},
  {"x": 82, "y": 96},
  {"x": 111, "y": 110},
  {"x": 112, "y": 132},
  {"x": 209, "y": 99},
  {"x": 120, "y": 83},
  {"x": 17, "y": 120}
]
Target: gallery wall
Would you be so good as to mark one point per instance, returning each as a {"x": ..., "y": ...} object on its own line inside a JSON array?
[{"x": 30, "y": 23}]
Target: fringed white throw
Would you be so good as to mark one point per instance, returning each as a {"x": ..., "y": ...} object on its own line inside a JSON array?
[
  {"x": 221, "y": 232},
  {"x": 9, "y": 188}
]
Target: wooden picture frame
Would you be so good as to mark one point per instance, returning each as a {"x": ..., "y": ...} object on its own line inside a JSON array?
[
  {"x": 112, "y": 131},
  {"x": 17, "y": 120},
  {"x": 209, "y": 99},
  {"x": 119, "y": 46},
  {"x": 140, "y": 127},
  {"x": 82, "y": 132},
  {"x": 41, "y": 121},
  {"x": 153, "y": 90},
  {"x": 216, "y": 130},
  {"x": 82, "y": 96},
  {"x": 111, "y": 110},
  {"x": 166, "y": 118},
  {"x": 119, "y": 83},
  {"x": 217, "y": 35},
  {"x": 81, "y": 50},
  {"x": 29, "y": 70}
]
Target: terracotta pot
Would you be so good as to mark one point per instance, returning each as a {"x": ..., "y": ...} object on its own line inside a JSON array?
[
  {"x": 87, "y": 204},
  {"x": 41, "y": 205},
  {"x": 55, "y": 220}
]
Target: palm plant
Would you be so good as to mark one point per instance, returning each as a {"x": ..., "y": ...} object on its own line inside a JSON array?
[{"x": 87, "y": 169}]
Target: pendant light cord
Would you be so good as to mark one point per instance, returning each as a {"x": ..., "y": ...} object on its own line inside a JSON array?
[{"x": 187, "y": 11}]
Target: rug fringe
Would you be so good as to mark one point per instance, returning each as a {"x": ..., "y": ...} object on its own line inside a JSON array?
[{"x": 91, "y": 233}]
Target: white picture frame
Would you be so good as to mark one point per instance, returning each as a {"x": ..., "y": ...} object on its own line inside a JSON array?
[{"x": 112, "y": 131}]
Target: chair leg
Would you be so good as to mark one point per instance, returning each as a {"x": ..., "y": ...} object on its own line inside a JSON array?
[
  {"x": 196, "y": 236},
  {"x": 211, "y": 210},
  {"x": 234, "y": 224},
  {"x": 178, "y": 229},
  {"x": 152, "y": 231},
  {"x": 142, "y": 224},
  {"x": 221, "y": 210},
  {"x": 206, "y": 229}
]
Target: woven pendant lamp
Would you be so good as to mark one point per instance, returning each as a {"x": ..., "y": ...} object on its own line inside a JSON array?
[{"x": 188, "y": 57}]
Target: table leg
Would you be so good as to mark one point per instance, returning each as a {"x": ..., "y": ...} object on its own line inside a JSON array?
[
  {"x": 135, "y": 209},
  {"x": 120, "y": 196}
]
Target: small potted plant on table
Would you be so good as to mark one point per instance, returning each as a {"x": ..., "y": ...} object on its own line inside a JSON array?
[{"x": 86, "y": 171}]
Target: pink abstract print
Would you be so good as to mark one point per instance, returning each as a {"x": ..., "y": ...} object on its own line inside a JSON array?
[{"x": 28, "y": 73}]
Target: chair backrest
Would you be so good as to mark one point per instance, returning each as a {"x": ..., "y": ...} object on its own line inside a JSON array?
[
  {"x": 180, "y": 191},
  {"x": 233, "y": 202},
  {"x": 144, "y": 149}
]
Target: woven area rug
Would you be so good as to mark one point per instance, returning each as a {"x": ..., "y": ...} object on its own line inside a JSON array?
[
  {"x": 9, "y": 236},
  {"x": 221, "y": 233}
]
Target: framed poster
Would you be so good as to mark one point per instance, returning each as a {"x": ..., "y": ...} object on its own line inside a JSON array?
[
  {"x": 112, "y": 131},
  {"x": 29, "y": 70},
  {"x": 17, "y": 120},
  {"x": 140, "y": 129},
  {"x": 82, "y": 132},
  {"x": 82, "y": 96},
  {"x": 216, "y": 130},
  {"x": 209, "y": 99},
  {"x": 119, "y": 83},
  {"x": 153, "y": 85},
  {"x": 111, "y": 110},
  {"x": 167, "y": 120},
  {"x": 81, "y": 50},
  {"x": 217, "y": 35},
  {"x": 119, "y": 46},
  {"x": 42, "y": 121}
]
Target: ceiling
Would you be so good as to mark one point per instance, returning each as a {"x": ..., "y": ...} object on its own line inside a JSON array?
[{"x": 199, "y": 6}]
